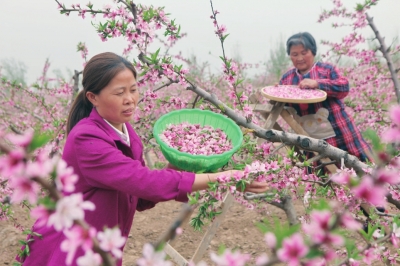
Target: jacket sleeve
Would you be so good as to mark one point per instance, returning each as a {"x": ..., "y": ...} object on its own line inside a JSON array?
[
  {"x": 104, "y": 166},
  {"x": 336, "y": 86}
]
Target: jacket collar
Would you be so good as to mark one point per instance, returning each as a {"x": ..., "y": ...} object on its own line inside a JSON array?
[{"x": 95, "y": 117}]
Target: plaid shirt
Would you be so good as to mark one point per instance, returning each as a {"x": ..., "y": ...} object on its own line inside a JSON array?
[{"x": 330, "y": 80}]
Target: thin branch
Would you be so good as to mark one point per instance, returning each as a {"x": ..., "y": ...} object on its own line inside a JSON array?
[
  {"x": 159, "y": 88},
  {"x": 323, "y": 164},
  {"x": 391, "y": 200},
  {"x": 171, "y": 231},
  {"x": 277, "y": 149},
  {"x": 79, "y": 10},
  {"x": 316, "y": 158},
  {"x": 53, "y": 193},
  {"x": 195, "y": 101},
  {"x": 132, "y": 8},
  {"x": 32, "y": 114},
  {"x": 220, "y": 38},
  {"x": 389, "y": 62},
  {"x": 385, "y": 214},
  {"x": 15, "y": 130},
  {"x": 76, "y": 80},
  {"x": 6, "y": 200},
  {"x": 165, "y": 85},
  {"x": 323, "y": 184}
]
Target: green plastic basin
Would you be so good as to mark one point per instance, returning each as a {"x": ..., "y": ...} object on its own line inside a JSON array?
[{"x": 198, "y": 163}]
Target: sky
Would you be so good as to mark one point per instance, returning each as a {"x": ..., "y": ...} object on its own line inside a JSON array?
[{"x": 34, "y": 30}]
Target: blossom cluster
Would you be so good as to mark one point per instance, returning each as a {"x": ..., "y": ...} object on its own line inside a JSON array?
[
  {"x": 292, "y": 92},
  {"x": 196, "y": 139},
  {"x": 138, "y": 27}
]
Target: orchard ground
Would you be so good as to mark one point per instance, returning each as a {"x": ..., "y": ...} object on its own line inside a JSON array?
[{"x": 237, "y": 231}]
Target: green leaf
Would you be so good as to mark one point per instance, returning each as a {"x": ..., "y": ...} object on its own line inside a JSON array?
[
  {"x": 280, "y": 230},
  {"x": 213, "y": 214},
  {"x": 178, "y": 68},
  {"x": 38, "y": 141},
  {"x": 371, "y": 229},
  {"x": 196, "y": 223},
  {"x": 27, "y": 232},
  {"x": 241, "y": 185},
  {"x": 263, "y": 227},
  {"x": 192, "y": 200},
  {"x": 221, "y": 249},
  {"x": 373, "y": 136},
  {"x": 56, "y": 123},
  {"x": 47, "y": 202},
  {"x": 352, "y": 250},
  {"x": 155, "y": 55},
  {"x": 160, "y": 246},
  {"x": 321, "y": 204},
  {"x": 314, "y": 253},
  {"x": 359, "y": 7},
  {"x": 27, "y": 249},
  {"x": 238, "y": 82},
  {"x": 224, "y": 37}
]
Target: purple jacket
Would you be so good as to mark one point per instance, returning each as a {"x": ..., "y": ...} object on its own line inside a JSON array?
[{"x": 114, "y": 177}]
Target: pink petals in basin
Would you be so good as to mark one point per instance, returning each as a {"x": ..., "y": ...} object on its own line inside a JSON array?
[
  {"x": 292, "y": 92},
  {"x": 196, "y": 139}
]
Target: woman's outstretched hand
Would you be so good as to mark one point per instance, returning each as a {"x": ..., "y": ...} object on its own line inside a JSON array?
[
  {"x": 308, "y": 84},
  {"x": 257, "y": 187}
]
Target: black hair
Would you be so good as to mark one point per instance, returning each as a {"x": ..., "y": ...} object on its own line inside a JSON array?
[
  {"x": 98, "y": 72},
  {"x": 303, "y": 38}
]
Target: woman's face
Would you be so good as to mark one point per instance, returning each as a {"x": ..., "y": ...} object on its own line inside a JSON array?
[
  {"x": 117, "y": 102},
  {"x": 302, "y": 59}
]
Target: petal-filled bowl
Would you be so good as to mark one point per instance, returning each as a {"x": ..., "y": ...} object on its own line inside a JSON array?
[{"x": 198, "y": 163}]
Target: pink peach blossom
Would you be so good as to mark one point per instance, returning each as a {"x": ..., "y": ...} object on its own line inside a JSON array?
[
  {"x": 111, "y": 240},
  {"x": 370, "y": 192},
  {"x": 293, "y": 249}
]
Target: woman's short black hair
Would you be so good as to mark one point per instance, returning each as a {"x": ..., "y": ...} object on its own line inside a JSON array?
[{"x": 303, "y": 38}]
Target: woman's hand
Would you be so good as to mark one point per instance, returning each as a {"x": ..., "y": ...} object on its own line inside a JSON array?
[
  {"x": 308, "y": 84},
  {"x": 257, "y": 187}
]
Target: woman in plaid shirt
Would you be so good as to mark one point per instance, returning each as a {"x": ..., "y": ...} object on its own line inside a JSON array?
[{"x": 306, "y": 73}]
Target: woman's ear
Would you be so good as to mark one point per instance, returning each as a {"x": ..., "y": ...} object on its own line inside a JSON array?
[{"x": 92, "y": 98}]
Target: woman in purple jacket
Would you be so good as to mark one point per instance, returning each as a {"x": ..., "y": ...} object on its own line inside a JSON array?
[{"x": 106, "y": 153}]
